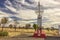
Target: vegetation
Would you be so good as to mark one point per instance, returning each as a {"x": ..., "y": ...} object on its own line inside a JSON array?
[
  {"x": 27, "y": 26},
  {"x": 52, "y": 28},
  {"x": 15, "y": 27},
  {"x": 35, "y": 26},
  {"x": 10, "y": 26},
  {"x": 48, "y": 29},
  {"x": 3, "y": 33},
  {"x": 4, "y": 20},
  {"x": 15, "y": 24}
]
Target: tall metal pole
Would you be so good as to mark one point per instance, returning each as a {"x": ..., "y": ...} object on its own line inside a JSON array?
[
  {"x": 39, "y": 19},
  {"x": 39, "y": 32}
]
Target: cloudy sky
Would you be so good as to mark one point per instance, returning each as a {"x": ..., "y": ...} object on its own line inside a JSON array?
[
  {"x": 51, "y": 11},
  {"x": 25, "y": 9}
]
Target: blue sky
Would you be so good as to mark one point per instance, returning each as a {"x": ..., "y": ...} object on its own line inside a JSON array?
[{"x": 13, "y": 9}]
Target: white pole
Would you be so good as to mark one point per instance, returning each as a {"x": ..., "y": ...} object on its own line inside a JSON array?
[{"x": 40, "y": 11}]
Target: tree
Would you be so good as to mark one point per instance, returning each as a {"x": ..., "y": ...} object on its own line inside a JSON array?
[
  {"x": 15, "y": 27},
  {"x": 52, "y": 28},
  {"x": 15, "y": 24},
  {"x": 19, "y": 27},
  {"x": 10, "y": 26},
  {"x": 35, "y": 26},
  {"x": 27, "y": 26},
  {"x": 47, "y": 29},
  {"x": 4, "y": 20}
]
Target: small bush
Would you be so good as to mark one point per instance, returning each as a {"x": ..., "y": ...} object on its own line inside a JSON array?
[{"x": 3, "y": 33}]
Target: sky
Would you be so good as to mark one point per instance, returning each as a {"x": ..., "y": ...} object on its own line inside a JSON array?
[
  {"x": 25, "y": 9},
  {"x": 51, "y": 10}
]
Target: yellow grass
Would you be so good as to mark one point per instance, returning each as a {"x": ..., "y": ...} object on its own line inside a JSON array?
[{"x": 12, "y": 32}]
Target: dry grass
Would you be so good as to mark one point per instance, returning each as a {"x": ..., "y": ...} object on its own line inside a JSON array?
[{"x": 12, "y": 32}]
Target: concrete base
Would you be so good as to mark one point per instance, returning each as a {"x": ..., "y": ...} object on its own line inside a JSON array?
[{"x": 39, "y": 34}]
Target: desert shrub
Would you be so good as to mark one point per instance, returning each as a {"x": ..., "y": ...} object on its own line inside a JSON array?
[{"x": 3, "y": 33}]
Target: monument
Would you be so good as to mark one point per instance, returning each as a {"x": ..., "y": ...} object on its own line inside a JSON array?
[{"x": 39, "y": 32}]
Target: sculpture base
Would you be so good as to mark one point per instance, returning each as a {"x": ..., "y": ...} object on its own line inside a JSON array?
[{"x": 39, "y": 34}]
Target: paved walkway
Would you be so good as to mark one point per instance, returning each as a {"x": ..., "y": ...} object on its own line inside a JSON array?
[
  {"x": 27, "y": 37},
  {"x": 53, "y": 38},
  {"x": 21, "y": 37}
]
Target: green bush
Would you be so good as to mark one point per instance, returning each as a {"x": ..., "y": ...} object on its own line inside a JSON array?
[
  {"x": 35, "y": 26},
  {"x": 3, "y": 33}
]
